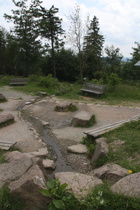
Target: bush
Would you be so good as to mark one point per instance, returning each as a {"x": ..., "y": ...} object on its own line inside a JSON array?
[
  {"x": 49, "y": 81},
  {"x": 114, "y": 79}
]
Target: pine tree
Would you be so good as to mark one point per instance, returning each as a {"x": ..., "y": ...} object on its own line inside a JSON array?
[
  {"x": 26, "y": 35},
  {"x": 93, "y": 44},
  {"x": 51, "y": 29}
]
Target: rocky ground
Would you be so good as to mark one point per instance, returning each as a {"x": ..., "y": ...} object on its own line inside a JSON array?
[{"x": 59, "y": 129}]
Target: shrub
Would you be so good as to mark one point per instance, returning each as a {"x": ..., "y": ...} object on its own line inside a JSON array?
[
  {"x": 49, "y": 81},
  {"x": 114, "y": 79}
]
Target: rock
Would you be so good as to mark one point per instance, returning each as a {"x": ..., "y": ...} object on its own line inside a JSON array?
[
  {"x": 28, "y": 103},
  {"x": 80, "y": 184},
  {"x": 40, "y": 153},
  {"x": 6, "y": 119},
  {"x": 28, "y": 186},
  {"x": 128, "y": 186},
  {"x": 82, "y": 118},
  {"x": 49, "y": 164},
  {"x": 16, "y": 155},
  {"x": 79, "y": 148},
  {"x": 63, "y": 106},
  {"x": 101, "y": 150},
  {"x": 45, "y": 123},
  {"x": 42, "y": 93},
  {"x": 111, "y": 172},
  {"x": 2, "y": 97},
  {"x": 14, "y": 170}
]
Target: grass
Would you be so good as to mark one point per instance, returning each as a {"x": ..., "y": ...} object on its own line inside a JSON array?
[
  {"x": 128, "y": 154},
  {"x": 8, "y": 202}
]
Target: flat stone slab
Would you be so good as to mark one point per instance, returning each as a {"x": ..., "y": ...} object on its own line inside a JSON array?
[
  {"x": 6, "y": 118},
  {"x": 79, "y": 148},
  {"x": 80, "y": 184},
  {"x": 63, "y": 106},
  {"x": 81, "y": 119},
  {"x": 128, "y": 186}
]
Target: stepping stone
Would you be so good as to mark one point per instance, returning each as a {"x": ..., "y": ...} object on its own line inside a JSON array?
[
  {"x": 63, "y": 106},
  {"x": 2, "y": 98},
  {"x": 81, "y": 184},
  {"x": 49, "y": 164},
  {"x": 6, "y": 119},
  {"x": 82, "y": 119},
  {"x": 79, "y": 148}
]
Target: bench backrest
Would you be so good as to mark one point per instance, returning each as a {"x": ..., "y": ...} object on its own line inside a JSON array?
[
  {"x": 19, "y": 80},
  {"x": 92, "y": 86}
]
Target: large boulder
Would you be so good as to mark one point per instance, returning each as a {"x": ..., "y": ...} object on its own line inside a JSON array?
[
  {"x": 14, "y": 170},
  {"x": 128, "y": 186},
  {"x": 28, "y": 186},
  {"x": 111, "y": 172},
  {"x": 63, "y": 106},
  {"x": 101, "y": 150},
  {"x": 80, "y": 184},
  {"x": 82, "y": 119},
  {"x": 78, "y": 148}
]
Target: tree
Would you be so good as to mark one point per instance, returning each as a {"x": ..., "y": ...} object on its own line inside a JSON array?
[
  {"x": 136, "y": 53},
  {"x": 51, "y": 29},
  {"x": 26, "y": 35},
  {"x": 93, "y": 44},
  {"x": 113, "y": 59},
  {"x": 76, "y": 36},
  {"x": 3, "y": 35}
]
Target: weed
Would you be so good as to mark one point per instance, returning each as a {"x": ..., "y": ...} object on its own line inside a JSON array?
[
  {"x": 8, "y": 202},
  {"x": 90, "y": 146},
  {"x": 59, "y": 194}
]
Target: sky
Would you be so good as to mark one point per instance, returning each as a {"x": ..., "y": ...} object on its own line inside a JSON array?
[{"x": 119, "y": 20}]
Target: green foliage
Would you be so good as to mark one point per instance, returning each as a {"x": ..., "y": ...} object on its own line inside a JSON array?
[
  {"x": 114, "y": 79},
  {"x": 2, "y": 159},
  {"x": 4, "y": 80},
  {"x": 96, "y": 81},
  {"x": 90, "y": 145},
  {"x": 126, "y": 155},
  {"x": 8, "y": 202},
  {"x": 59, "y": 194},
  {"x": 101, "y": 199},
  {"x": 49, "y": 81}
]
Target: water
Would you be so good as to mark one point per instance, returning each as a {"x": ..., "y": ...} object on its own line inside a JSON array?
[{"x": 61, "y": 164}]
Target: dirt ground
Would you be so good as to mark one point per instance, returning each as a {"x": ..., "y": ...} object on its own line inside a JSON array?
[{"x": 59, "y": 123}]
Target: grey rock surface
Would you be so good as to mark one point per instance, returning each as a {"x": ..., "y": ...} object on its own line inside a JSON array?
[
  {"x": 101, "y": 150},
  {"x": 14, "y": 170},
  {"x": 80, "y": 184},
  {"x": 78, "y": 148},
  {"x": 81, "y": 118},
  {"x": 128, "y": 186},
  {"x": 111, "y": 172},
  {"x": 28, "y": 186}
]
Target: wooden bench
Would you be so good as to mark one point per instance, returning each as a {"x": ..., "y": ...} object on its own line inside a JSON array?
[
  {"x": 18, "y": 81},
  {"x": 95, "y": 133},
  {"x": 93, "y": 88}
]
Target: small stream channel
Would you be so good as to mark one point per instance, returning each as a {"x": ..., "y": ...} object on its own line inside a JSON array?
[{"x": 61, "y": 164}]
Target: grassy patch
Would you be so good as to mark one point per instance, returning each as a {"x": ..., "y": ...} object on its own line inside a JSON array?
[
  {"x": 1, "y": 110},
  {"x": 8, "y": 202},
  {"x": 2, "y": 159},
  {"x": 128, "y": 154},
  {"x": 102, "y": 197}
]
